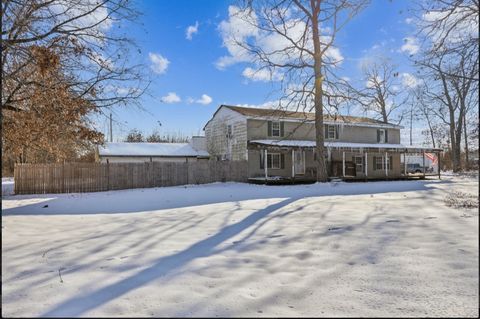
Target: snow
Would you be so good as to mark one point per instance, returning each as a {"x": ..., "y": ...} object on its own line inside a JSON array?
[
  {"x": 7, "y": 186},
  {"x": 307, "y": 143},
  {"x": 149, "y": 149},
  {"x": 234, "y": 250}
]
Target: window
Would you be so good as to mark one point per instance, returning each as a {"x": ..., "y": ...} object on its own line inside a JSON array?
[
  {"x": 331, "y": 132},
  {"x": 229, "y": 131},
  {"x": 382, "y": 136},
  {"x": 275, "y": 128},
  {"x": 379, "y": 162},
  {"x": 274, "y": 160}
]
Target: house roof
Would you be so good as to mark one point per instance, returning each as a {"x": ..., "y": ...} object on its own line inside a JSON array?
[
  {"x": 307, "y": 116},
  {"x": 343, "y": 145},
  {"x": 150, "y": 149}
]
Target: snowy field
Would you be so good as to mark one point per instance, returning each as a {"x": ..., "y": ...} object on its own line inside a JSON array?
[{"x": 338, "y": 249}]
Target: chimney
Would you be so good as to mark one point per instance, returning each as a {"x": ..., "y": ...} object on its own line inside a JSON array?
[{"x": 199, "y": 143}]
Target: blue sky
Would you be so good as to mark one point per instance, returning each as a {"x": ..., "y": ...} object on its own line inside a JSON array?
[{"x": 191, "y": 71}]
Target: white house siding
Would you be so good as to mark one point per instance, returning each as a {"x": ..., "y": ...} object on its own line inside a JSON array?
[{"x": 218, "y": 145}]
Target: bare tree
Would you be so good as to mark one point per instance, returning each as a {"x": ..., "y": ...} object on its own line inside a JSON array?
[
  {"x": 135, "y": 136},
  {"x": 380, "y": 91},
  {"x": 448, "y": 27},
  {"x": 421, "y": 102},
  {"x": 295, "y": 43},
  {"x": 453, "y": 91},
  {"x": 95, "y": 55},
  {"x": 449, "y": 63}
]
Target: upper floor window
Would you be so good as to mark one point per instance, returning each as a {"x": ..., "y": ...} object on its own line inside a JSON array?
[
  {"x": 229, "y": 131},
  {"x": 275, "y": 128},
  {"x": 331, "y": 132},
  {"x": 382, "y": 136}
]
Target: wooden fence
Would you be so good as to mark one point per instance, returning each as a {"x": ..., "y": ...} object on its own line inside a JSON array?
[{"x": 94, "y": 177}]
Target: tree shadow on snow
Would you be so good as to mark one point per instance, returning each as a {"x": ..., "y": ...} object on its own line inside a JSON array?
[
  {"x": 150, "y": 199},
  {"x": 162, "y": 267}
]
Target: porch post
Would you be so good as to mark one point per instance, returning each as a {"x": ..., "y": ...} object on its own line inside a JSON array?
[
  {"x": 423, "y": 158},
  {"x": 366, "y": 164},
  {"x": 329, "y": 153},
  {"x": 439, "y": 164},
  {"x": 293, "y": 162},
  {"x": 405, "y": 163},
  {"x": 265, "y": 165},
  {"x": 386, "y": 166},
  {"x": 343, "y": 164}
]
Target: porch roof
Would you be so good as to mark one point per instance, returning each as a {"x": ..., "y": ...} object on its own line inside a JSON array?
[{"x": 345, "y": 146}]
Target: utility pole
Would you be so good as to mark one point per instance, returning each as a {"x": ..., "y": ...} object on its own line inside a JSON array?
[
  {"x": 111, "y": 134},
  {"x": 411, "y": 120}
]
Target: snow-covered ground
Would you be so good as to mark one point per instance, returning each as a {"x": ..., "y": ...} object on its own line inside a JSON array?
[
  {"x": 7, "y": 186},
  {"x": 338, "y": 249}
]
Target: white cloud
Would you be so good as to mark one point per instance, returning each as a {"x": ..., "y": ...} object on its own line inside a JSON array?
[
  {"x": 409, "y": 81},
  {"x": 159, "y": 63},
  {"x": 240, "y": 28},
  {"x": 263, "y": 75},
  {"x": 171, "y": 97},
  {"x": 373, "y": 82},
  {"x": 408, "y": 20},
  {"x": 88, "y": 14},
  {"x": 454, "y": 25},
  {"x": 410, "y": 46},
  {"x": 266, "y": 105},
  {"x": 191, "y": 30},
  {"x": 205, "y": 100}
]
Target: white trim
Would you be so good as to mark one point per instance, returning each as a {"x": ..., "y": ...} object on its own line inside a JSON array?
[
  {"x": 309, "y": 143},
  {"x": 293, "y": 162},
  {"x": 265, "y": 164},
  {"x": 386, "y": 164}
]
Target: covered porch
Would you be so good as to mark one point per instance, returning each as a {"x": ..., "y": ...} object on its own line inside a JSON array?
[{"x": 292, "y": 161}]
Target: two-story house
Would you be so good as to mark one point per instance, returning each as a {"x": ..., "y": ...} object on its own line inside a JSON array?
[{"x": 281, "y": 144}]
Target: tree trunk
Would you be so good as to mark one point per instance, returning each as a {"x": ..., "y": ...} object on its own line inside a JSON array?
[
  {"x": 466, "y": 140},
  {"x": 384, "y": 113},
  {"x": 322, "y": 175},
  {"x": 431, "y": 132}
]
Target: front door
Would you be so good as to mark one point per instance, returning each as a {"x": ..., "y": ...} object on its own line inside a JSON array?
[
  {"x": 358, "y": 165},
  {"x": 299, "y": 162}
]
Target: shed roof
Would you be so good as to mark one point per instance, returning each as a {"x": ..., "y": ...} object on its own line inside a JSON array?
[{"x": 150, "y": 149}]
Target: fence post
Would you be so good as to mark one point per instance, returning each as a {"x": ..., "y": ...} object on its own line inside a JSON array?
[
  {"x": 63, "y": 177},
  {"x": 108, "y": 175}
]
